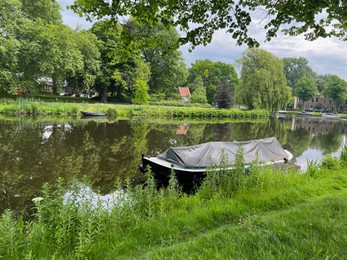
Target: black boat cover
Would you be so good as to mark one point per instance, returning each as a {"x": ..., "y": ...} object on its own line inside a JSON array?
[{"x": 204, "y": 155}]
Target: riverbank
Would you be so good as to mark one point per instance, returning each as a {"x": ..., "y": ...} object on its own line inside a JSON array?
[
  {"x": 262, "y": 215},
  {"x": 37, "y": 107}
]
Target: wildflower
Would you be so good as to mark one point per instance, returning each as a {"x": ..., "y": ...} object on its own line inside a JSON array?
[{"x": 37, "y": 199}]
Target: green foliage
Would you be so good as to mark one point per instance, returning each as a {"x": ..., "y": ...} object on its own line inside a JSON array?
[
  {"x": 199, "y": 95},
  {"x": 210, "y": 75},
  {"x": 295, "y": 69},
  {"x": 343, "y": 155},
  {"x": 330, "y": 162},
  {"x": 263, "y": 81},
  {"x": 83, "y": 80},
  {"x": 195, "y": 84},
  {"x": 46, "y": 10},
  {"x": 323, "y": 19},
  {"x": 305, "y": 88},
  {"x": 172, "y": 103},
  {"x": 336, "y": 88},
  {"x": 218, "y": 113},
  {"x": 221, "y": 181},
  {"x": 141, "y": 95},
  {"x": 168, "y": 70}
]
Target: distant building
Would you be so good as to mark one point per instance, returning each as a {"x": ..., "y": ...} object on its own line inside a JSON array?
[
  {"x": 319, "y": 103},
  {"x": 184, "y": 93},
  {"x": 47, "y": 84}
]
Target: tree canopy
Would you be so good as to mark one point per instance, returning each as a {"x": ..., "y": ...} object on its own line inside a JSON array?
[
  {"x": 198, "y": 20},
  {"x": 305, "y": 88},
  {"x": 336, "y": 89},
  {"x": 296, "y": 68},
  {"x": 263, "y": 83},
  {"x": 212, "y": 75}
]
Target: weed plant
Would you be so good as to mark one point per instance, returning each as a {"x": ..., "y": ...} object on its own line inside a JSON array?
[{"x": 259, "y": 215}]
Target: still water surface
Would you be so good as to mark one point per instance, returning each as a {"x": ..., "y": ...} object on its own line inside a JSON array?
[{"x": 34, "y": 151}]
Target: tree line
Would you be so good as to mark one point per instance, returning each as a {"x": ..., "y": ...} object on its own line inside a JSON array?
[{"x": 135, "y": 60}]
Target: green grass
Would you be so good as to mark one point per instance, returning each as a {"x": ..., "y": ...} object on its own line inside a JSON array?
[
  {"x": 343, "y": 115},
  {"x": 262, "y": 215}
]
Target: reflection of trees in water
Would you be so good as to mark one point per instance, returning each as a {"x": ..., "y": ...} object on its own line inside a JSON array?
[
  {"x": 328, "y": 143},
  {"x": 219, "y": 132},
  {"x": 30, "y": 156},
  {"x": 28, "y": 159},
  {"x": 316, "y": 133},
  {"x": 273, "y": 127},
  {"x": 298, "y": 141}
]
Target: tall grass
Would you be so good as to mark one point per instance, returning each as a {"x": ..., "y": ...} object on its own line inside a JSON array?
[{"x": 262, "y": 214}]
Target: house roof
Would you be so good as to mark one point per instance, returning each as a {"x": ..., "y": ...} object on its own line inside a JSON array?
[{"x": 184, "y": 91}]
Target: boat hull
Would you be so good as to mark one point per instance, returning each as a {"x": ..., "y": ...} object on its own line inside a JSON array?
[
  {"x": 191, "y": 177},
  {"x": 92, "y": 114},
  {"x": 162, "y": 171}
]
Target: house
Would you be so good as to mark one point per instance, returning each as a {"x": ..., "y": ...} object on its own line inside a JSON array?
[
  {"x": 47, "y": 84},
  {"x": 319, "y": 103},
  {"x": 184, "y": 93}
]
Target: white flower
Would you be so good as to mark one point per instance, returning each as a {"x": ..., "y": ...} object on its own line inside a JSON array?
[{"x": 37, "y": 199}]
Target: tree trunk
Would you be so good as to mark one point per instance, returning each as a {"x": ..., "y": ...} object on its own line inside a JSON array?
[
  {"x": 103, "y": 95},
  {"x": 56, "y": 84}
]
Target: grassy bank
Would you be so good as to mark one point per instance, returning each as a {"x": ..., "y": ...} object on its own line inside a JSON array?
[
  {"x": 39, "y": 107},
  {"x": 263, "y": 215}
]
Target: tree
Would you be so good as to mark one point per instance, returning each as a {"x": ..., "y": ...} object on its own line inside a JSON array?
[
  {"x": 59, "y": 53},
  {"x": 109, "y": 77},
  {"x": 32, "y": 33},
  {"x": 199, "y": 95},
  {"x": 141, "y": 76},
  {"x": 296, "y": 68},
  {"x": 212, "y": 75},
  {"x": 10, "y": 19},
  {"x": 321, "y": 82},
  {"x": 263, "y": 83},
  {"x": 336, "y": 89},
  {"x": 84, "y": 79},
  {"x": 200, "y": 19},
  {"x": 305, "y": 88},
  {"x": 168, "y": 69},
  {"x": 46, "y": 10},
  {"x": 223, "y": 96}
]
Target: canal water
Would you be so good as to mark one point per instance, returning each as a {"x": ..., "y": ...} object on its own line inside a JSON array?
[{"x": 34, "y": 151}]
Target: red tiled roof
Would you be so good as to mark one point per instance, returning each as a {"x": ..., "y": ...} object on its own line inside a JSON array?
[{"x": 184, "y": 91}]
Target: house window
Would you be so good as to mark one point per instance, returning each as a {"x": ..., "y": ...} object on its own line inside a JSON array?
[{"x": 316, "y": 99}]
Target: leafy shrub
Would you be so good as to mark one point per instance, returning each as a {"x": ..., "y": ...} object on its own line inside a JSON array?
[{"x": 330, "y": 162}]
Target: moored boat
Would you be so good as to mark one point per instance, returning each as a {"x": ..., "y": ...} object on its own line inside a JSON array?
[
  {"x": 331, "y": 115},
  {"x": 192, "y": 162},
  {"x": 90, "y": 114}
]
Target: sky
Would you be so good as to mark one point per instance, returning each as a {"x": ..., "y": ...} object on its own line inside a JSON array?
[{"x": 325, "y": 56}]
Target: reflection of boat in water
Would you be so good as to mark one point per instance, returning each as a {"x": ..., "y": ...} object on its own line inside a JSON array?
[
  {"x": 304, "y": 113},
  {"x": 92, "y": 114},
  {"x": 331, "y": 115},
  {"x": 191, "y": 163}
]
